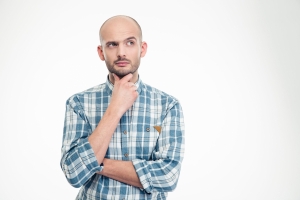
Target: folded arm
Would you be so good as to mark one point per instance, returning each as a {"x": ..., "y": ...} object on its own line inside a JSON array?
[{"x": 162, "y": 172}]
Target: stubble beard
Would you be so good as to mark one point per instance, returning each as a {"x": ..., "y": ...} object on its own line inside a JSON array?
[{"x": 122, "y": 72}]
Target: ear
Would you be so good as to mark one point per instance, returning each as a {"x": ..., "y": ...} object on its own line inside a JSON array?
[
  {"x": 144, "y": 49},
  {"x": 100, "y": 52}
]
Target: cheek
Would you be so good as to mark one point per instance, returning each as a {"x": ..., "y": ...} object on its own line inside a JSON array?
[
  {"x": 108, "y": 56},
  {"x": 136, "y": 53}
]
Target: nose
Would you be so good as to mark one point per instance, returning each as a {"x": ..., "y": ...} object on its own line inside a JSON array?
[{"x": 121, "y": 51}]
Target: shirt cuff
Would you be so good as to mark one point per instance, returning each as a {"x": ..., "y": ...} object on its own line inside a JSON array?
[{"x": 141, "y": 168}]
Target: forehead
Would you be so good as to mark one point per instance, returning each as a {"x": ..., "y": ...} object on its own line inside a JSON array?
[{"x": 118, "y": 29}]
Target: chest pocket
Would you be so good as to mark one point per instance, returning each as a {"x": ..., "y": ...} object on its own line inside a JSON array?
[{"x": 143, "y": 140}]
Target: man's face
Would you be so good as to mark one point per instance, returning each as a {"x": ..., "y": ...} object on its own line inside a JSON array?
[{"x": 121, "y": 48}]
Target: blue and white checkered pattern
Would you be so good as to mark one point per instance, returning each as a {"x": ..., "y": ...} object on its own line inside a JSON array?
[{"x": 156, "y": 156}]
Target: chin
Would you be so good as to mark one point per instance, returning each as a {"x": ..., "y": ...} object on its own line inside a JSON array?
[{"x": 121, "y": 75}]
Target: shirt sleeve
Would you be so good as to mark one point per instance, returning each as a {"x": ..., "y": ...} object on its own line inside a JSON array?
[
  {"x": 162, "y": 172},
  {"x": 78, "y": 161}
]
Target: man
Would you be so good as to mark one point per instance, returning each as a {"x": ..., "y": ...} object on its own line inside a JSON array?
[{"x": 122, "y": 139}]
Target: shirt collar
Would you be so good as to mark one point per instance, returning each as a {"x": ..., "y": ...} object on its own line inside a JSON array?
[{"x": 109, "y": 86}]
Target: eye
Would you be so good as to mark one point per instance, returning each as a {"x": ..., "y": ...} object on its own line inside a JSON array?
[
  {"x": 130, "y": 43},
  {"x": 112, "y": 44}
]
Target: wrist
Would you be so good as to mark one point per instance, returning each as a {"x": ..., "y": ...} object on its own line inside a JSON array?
[{"x": 115, "y": 110}]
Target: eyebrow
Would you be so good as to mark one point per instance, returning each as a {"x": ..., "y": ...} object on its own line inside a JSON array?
[{"x": 129, "y": 38}]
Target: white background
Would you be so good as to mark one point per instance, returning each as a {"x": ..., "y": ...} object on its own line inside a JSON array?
[{"x": 234, "y": 65}]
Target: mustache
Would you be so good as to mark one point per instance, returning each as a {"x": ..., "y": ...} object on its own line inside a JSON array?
[{"x": 122, "y": 59}]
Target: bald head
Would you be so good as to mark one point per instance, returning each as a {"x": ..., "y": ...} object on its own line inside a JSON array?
[{"x": 117, "y": 23}]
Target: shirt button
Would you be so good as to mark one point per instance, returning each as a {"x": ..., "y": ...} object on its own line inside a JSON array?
[
  {"x": 126, "y": 154},
  {"x": 125, "y": 132},
  {"x": 148, "y": 129}
]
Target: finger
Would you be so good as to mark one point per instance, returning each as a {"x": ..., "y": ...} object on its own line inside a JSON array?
[
  {"x": 134, "y": 87},
  {"x": 130, "y": 84}
]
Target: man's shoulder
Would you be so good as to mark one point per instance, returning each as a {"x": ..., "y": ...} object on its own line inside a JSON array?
[
  {"x": 88, "y": 92},
  {"x": 158, "y": 92},
  {"x": 94, "y": 89}
]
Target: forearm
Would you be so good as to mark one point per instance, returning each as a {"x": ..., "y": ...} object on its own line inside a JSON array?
[
  {"x": 122, "y": 171},
  {"x": 78, "y": 161},
  {"x": 161, "y": 172},
  {"x": 123, "y": 96},
  {"x": 100, "y": 138}
]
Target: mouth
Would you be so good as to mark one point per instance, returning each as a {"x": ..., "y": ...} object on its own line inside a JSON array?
[{"x": 121, "y": 63}]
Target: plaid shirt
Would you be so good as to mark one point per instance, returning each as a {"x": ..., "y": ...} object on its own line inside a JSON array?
[{"x": 150, "y": 134}]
